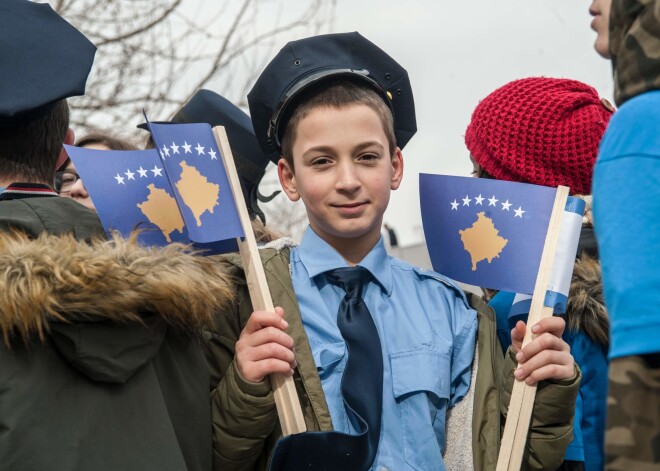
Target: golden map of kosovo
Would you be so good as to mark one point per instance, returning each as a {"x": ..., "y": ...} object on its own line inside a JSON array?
[
  {"x": 482, "y": 241},
  {"x": 197, "y": 192},
  {"x": 161, "y": 209}
]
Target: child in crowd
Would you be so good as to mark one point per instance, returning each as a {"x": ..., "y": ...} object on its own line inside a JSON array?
[
  {"x": 379, "y": 350},
  {"x": 546, "y": 131}
]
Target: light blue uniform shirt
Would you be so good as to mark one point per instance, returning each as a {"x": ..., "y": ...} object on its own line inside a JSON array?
[{"x": 427, "y": 332}]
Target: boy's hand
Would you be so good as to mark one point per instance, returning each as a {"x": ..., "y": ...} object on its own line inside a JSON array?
[
  {"x": 263, "y": 347},
  {"x": 545, "y": 357}
]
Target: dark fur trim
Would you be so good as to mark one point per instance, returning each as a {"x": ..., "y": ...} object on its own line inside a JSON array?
[
  {"x": 56, "y": 278},
  {"x": 586, "y": 306}
]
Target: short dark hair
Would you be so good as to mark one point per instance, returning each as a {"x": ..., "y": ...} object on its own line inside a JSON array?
[
  {"x": 28, "y": 153},
  {"x": 338, "y": 94}
]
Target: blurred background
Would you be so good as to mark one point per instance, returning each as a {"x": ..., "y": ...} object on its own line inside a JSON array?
[{"x": 154, "y": 54}]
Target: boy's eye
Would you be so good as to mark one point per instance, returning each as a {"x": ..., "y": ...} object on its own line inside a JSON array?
[
  {"x": 320, "y": 161},
  {"x": 369, "y": 156}
]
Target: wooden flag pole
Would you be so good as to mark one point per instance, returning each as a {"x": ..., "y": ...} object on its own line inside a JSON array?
[
  {"x": 514, "y": 438},
  {"x": 286, "y": 399}
]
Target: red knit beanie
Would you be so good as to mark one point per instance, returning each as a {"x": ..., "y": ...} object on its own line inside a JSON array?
[{"x": 540, "y": 130}]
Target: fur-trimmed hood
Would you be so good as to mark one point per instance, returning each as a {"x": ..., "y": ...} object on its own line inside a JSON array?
[
  {"x": 586, "y": 305},
  {"x": 107, "y": 305}
]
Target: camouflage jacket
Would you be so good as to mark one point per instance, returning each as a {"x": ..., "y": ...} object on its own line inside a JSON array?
[{"x": 634, "y": 41}]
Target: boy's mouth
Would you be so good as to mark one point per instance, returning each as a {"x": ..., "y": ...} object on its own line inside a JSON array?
[{"x": 351, "y": 208}]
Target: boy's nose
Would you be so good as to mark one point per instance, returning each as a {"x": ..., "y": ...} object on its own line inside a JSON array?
[{"x": 347, "y": 178}]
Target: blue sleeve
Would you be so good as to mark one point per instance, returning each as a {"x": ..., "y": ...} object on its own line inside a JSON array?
[{"x": 626, "y": 207}]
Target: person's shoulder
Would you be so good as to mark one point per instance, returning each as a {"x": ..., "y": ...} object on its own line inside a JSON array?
[
  {"x": 50, "y": 214},
  {"x": 639, "y": 108},
  {"x": 633, "y": 131},
  {"x": 425, "y": 277},
  {"x": 275, "y": 257},
  {"x": 70, "y": 214},
  {"x": 58, "y": 205},
  {"x": 277, "y": 251}
]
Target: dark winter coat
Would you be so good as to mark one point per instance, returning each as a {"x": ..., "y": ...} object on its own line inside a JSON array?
[{"x": 100, "y": 361}]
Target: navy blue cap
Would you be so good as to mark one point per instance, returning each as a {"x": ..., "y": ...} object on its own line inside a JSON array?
[
  {"x": 314, "y": 61},
  {"x": 43, "y": 60}
]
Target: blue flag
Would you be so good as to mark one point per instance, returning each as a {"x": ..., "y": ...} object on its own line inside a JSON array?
[
  {"x": 562, "y": 269},
  {"x": 485, "y": 232},
  {"x": 180, "y": 197}
]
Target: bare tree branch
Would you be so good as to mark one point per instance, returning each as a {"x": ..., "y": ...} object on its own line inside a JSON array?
[
  {"x": 223, "y": 49},
  {"x": 155, "y": 54},
  {"x": 142, "y": 29}
]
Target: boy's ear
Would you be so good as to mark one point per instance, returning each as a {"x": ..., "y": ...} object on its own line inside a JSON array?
[
  {"x": 287, "y": 179},
  {"x": 69, "y": 139},
  {"x": 397, "y": 169}
]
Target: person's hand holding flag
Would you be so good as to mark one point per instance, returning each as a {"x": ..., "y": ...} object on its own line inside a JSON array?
[{"x": 547, "y": 356}]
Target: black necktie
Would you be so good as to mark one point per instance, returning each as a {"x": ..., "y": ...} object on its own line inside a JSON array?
[{"x": 361, "y": 387}]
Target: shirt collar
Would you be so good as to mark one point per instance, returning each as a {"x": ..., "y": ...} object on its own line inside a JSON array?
[{"x": 318, "y": 256}]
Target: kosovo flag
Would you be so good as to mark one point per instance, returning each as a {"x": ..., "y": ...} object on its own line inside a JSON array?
[
  {"x": 485, "y": 232},
  {"x": 180, "y": 197},
  {"x": 559, "y": 283},
  {"x": 194, "y": 167}
]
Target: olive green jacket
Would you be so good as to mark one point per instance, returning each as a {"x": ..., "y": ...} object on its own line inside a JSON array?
[
  {"x": 50, "y": 215},
  {"x": 245, "y": 420}
]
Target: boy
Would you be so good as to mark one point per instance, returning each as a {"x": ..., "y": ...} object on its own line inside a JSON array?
[{"x": 339, "y": 110}]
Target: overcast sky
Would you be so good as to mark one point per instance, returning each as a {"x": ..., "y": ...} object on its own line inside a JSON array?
[{"x": 456, "y": 53}]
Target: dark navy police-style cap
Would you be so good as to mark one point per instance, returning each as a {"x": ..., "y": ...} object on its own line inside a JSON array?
[
  {"x": 310, "y": 62},
  {"x": 43, "y": 60}
]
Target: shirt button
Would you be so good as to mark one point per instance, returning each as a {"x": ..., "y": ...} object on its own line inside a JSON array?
[{"x": 384, "y": 468}]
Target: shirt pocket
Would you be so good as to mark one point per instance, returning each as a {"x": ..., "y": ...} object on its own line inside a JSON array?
[
  {"x": 330, "y": 359},
  {"x": 420, "y": 381}
]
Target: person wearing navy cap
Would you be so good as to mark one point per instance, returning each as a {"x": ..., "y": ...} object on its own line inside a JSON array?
[
  {"x": 380, "y": 351},
  {"x": 100, "y": 363},
  {"x": 44, "y": 61}
]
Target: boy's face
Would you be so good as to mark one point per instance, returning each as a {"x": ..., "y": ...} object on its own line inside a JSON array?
[{"x": 344, "y": 173}]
